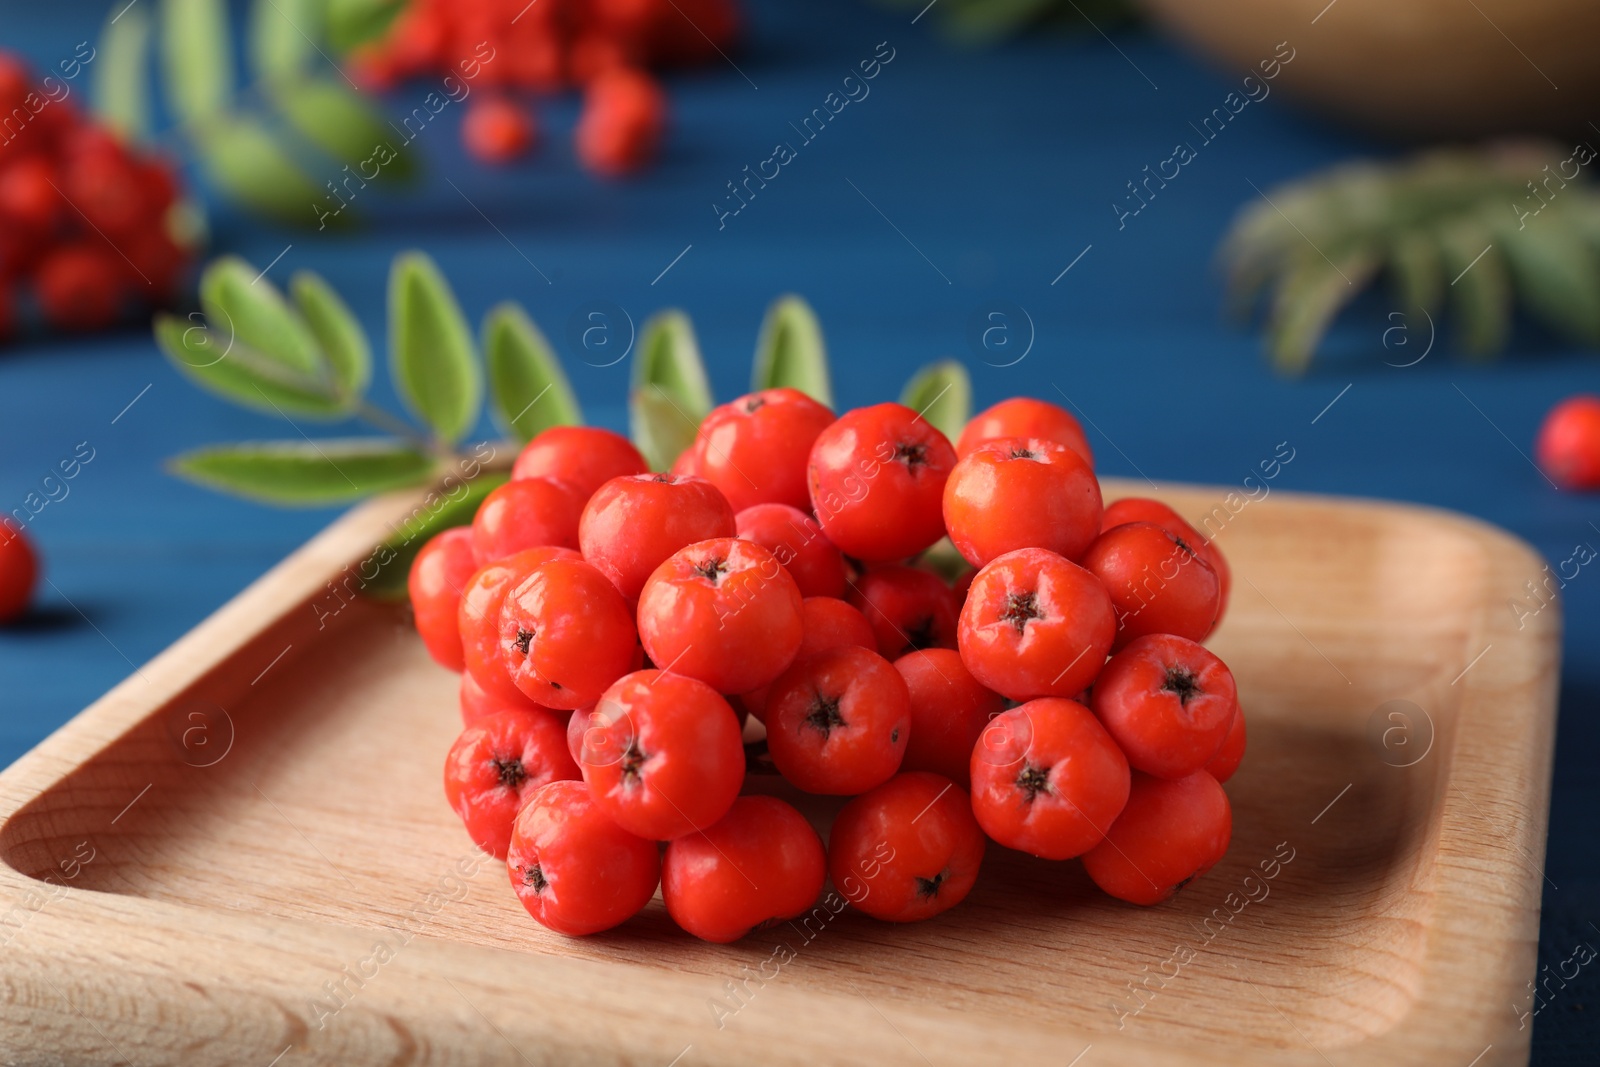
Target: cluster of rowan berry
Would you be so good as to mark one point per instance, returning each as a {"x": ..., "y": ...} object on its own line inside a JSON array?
[
  {"x": 1054, "y": 698},
  {"x": 604, "y": 46},
  {"x": 83, "y": 218}
]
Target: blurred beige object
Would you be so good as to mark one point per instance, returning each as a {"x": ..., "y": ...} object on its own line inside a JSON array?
[{"x": 1419, "y": 69}]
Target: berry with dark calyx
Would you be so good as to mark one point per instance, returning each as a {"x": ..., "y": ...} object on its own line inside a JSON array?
[
  {"x": 566, "y": 634},
  {"x": 1016, "y": 492},
  {"x": 479, "y": 619},
  {"x": 755, "y": 449},
  {"x": 1143, "y": 509},
  {"x": 575, "y": 870},
  {"x": 496, "y": 764},
  {"x": 909, "y": 608},
  {"x": 1047, "y": 779},
  {"x": 908, "y": 849},
  {"x": 662, "y": 754},
  {"x": 1167, "y": 702},
  {"x": 1159, "y": 583},
  {"x": 877, "y": 478},
  {"x": 838, "y": 721}
]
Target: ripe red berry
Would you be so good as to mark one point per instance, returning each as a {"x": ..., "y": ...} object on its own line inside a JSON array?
[
  {"x": 19, "y": 570},
  {"x": 566, "y": 634},
  {"x": 624, "y": 116},
  {"x": 526, "y": 513},
  {"x": 816, "y": 566},
  {"x": 575, "y": 870},
  {"x": 723, "y": 611},
  {"x": 1023, "y": 416},
  {"x": 477, "y": 703},
  {"x": 1036, "y": 624},
  {"x": 497, "y": 129},
  {"x": 1171, "y": 832},
  {"x": 662, "y": 754},
  {"x": 631, "y": 525},
  {"x": 908, "y": 850},
  {"x": 495, "y": 765},
  {"x": 1223, "y": 765},
  {"x": 1016, "y": 493},
  {"x": 1159, "y": 583},
  {"x": 908, "y": 608},
  {"x": 80, "y": 286},
  {"x": 1167, "y": 702},
  {"x": 581, "y": 457},
  {"x": 760, "y": 863},
  {"x": 30, "y": 199},
  {"x": 825, "y": 623},
  {"x": 837, "y": 722},
  {"x": 1568, "y": 447},
  {"x": 949, "y": 710},
  {"x": 877, "y": 479},
  {"x": 1047, "y": 779},
  {"x": 1142, "y": 509},
  {"x": 479, "y": 619},
  {"x": 106, "y": 187},
  {"x": 755, "y": 449},
  {"x": 437, "y": 577}
]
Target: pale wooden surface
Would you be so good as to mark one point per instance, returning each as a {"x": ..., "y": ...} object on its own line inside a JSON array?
[{"x": 217, "y": 905}]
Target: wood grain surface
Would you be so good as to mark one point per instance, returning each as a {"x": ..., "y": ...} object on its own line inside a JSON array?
[{"x": 243, "y": 853}]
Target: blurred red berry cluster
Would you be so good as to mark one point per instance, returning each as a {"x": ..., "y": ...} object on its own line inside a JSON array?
[
  {"x": 605, "y": 47},
  {"x": 83, "y": 217}
]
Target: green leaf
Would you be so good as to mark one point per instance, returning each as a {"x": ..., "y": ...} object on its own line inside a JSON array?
[
  {"x": 197, "y": 59},
  {"x": 432, "y": 516},
  {"x": 249, "y": 164},
  {"x": 945, "y": 561},
  {"x": 942, "y": 394},
  {"x": 432, "y": 358},
  {"x": 1480, "y": 295},
  {"x": 351, "y": 23},
  {"x": 342, "y": 124},
  {"x": 305, "y": 472},
  {"x": 337, "y": 331},
  {"x": 1557, "y": 278},
  {"x": 530, "y": 391},
  {"x": 247, "y": 308},
  {"x": 280, "y": 39},
  {"x": 1306, "y": 301},
  {"x": 661, "y": 427},
  {"x": 1417, "y": 274},
  {"x": 221, "y": 365},
  {"x": 790, "y": 351},
  {"x": 669, "y": 357},
  {"x": 121, "y": 93}
]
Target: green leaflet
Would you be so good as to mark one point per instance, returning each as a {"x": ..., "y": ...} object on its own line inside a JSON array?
[
  {"x": 437, "y": 513},
  {"x": 669, "y": 357},
  {"x": 1556, "y": 276},
  {"x": 432, "y": 358},
  {"x": 790, "y": 351},
  {"x": 197, "y": 59},
  {"x": 338, "y": 333},
  {"x": 661, "y": 428},
  {"x": 942, "y": 394},
  {"x": 530, "y": 391},
  {"x": 338, "y": 121},
  {"x": 282, "y": 38},
  {"x": 247, "y": 308},
  {"x": 350, "y": 23},
  {"x": 1480, "y": 292},
  {"x": 1307, "y": 300},
  {"x": 304, "y": 472},
  {"x": 233, "y": 371},
  {"x": 247, "y": 162},
  {"x": 1416, "y": 271},
  {"x": 121, "y": 96}
]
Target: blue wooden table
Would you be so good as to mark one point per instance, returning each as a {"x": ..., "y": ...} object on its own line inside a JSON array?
[{"x": 953, "y": 186}]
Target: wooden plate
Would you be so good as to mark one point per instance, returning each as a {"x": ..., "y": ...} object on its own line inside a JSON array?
[{"x": 243, "y": 852}]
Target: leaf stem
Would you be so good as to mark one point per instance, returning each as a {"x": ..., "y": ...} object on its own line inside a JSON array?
[{"x": 383, "y": 420}]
